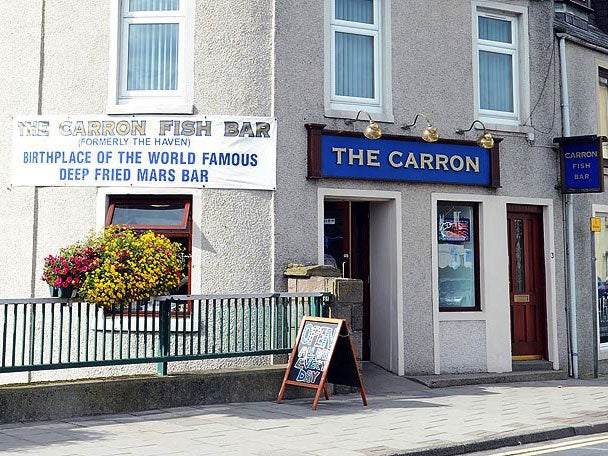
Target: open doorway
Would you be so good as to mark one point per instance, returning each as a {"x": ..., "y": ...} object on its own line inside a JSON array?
[{"x": 360, "y": 238}]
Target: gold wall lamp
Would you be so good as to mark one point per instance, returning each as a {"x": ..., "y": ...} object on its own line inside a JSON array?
[
  {"x": 429, "y": 134},
  {"x": 484, "y": 140},
  {"x": 372, "y": 130}
]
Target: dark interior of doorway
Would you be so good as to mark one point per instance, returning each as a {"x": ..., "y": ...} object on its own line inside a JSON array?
[{"x": 346, "y": 240}]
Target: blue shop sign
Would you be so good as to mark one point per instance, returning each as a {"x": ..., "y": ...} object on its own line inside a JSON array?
[
  {"x": 581, "y": 164},
  {"x": 349, "y": 155}
]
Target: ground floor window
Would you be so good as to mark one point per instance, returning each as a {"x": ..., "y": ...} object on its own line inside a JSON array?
[
  {"x": 169, "y": 215},
  {"x": 457, "y": 255},
  {"x": 601, "y": 268}
]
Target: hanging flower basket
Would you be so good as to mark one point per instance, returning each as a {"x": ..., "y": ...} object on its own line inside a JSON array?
[
  {"x": 65, "y": 272},
  {"x": 116, "y": 267},
  {"x": 62, "y": 292}
]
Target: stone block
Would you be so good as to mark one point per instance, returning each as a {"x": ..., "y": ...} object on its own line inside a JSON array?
[
  {"x": 356, "y": 321},
  {"x": 311, "y": 284},
  {"x": 348, "y": 290},
  {"x": 341, "y": 311},
  {"x": 310, "y": 270},
  {"x": 357, "y": 337}
]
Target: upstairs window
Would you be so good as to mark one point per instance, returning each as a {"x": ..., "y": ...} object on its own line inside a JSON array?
[
  {"x": 358, "y": 60},
  {"x": 497, "y": 53},
  {"x": 152, "y": 57},
  {"x": 500, "y": 62}
]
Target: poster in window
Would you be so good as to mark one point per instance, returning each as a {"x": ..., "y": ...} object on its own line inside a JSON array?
[{"x": 450, "y": 230}]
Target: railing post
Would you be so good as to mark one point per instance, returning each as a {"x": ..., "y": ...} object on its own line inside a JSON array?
[
  {"x": 164, "y": 329},
  {"x": 325, "y": 301}
]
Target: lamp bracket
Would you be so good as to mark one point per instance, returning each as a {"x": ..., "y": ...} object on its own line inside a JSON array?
[{"x": 420, "y": 114}]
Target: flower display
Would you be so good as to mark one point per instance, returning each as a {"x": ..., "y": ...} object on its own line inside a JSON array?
[
  {"x": 131, "y": 266},
  {"x": 69, "y": 268},
  {"x": 117, "y": 266}
]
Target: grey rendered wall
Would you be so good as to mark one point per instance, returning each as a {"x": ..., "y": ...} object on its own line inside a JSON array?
[
  {"x": 20, "y": 88},
  {"x": 440, "y": 85},
  {"x": 233, "y": 67},
  {"x": 582, "y": 86}
]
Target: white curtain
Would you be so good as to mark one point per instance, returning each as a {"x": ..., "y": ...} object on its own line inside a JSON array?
[
  {"x": 355, "y": 10},
  {"x": 154, "y": 5},
  {"x": 354, "y": 65},
  {"x": 495, "y": 68},
  {"x": 152, "y": 63},
  {"x": 354, "y": 52}
]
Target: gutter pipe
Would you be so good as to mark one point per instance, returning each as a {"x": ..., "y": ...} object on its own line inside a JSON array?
[{"x": 569, "y": 216}]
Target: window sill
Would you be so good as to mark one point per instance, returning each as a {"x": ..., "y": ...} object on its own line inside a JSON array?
[
  {"x": 465, "y": 315},
  {"x": 603, "y": 352},
  {"x": 377, "y": 115},
  {"x": 509, "y": 129},
  {"x": 151, "y": 108}
]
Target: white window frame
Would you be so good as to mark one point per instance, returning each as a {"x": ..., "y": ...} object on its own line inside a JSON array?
[
  {"x": 379, "y": 107},
  {"x": 179, "y": 101},
  {"x": 599, "y": 210},
  {"x": 518, "y": 50},
  {"x": 602, "y": 85}
]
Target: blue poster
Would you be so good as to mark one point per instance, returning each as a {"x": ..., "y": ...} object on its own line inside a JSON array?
[{"x": 450, "y": 162}]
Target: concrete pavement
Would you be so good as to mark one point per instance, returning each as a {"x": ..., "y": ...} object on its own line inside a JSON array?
[{"x": 403, "y": 417}]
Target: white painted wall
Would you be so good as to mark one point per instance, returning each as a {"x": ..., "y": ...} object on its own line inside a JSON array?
[
  {"x": 383, "y": 279},
  {"x": 492, "y": 327},
  {"x": 386, "y": 271}
]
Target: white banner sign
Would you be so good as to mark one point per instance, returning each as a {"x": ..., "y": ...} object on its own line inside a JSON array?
[{"x": 163, "y": 151}]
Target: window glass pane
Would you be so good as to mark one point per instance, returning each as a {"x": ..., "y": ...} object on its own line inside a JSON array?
[
  {"x": 456, "y": 256},
  {"x": 148, "y": 214},
  {"x": 601, "y": 268},
  {"x": 496, "y": 81},
  {"x": 603, "y": 112},
  {"x": 355, "y": 10},
  {"x": 154, "y": 5},
  {"x": 152, "y": 63},
  {"x": 520, "y": 266},
  {"x": 354, "y": 65},
  {"x": 494, "y": 29}
]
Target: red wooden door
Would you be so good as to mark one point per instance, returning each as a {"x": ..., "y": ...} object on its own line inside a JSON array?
[{"x": 527, "y": 282}]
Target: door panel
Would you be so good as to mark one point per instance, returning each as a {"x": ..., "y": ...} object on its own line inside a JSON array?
[
  {"x": 346, "y": 240},
  {"x": 527, "y": 282}
]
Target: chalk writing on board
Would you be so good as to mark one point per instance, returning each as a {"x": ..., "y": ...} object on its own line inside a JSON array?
[{"x": 314, "y": 352}]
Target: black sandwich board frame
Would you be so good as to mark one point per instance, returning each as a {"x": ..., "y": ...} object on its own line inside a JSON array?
[{"x": 339, "y": 366}]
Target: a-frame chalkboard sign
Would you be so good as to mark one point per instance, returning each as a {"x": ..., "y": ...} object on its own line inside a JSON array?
[{"x": 323, "y": 353}]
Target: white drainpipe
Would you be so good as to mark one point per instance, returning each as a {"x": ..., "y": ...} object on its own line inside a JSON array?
[{"x": 571, "y": 277}]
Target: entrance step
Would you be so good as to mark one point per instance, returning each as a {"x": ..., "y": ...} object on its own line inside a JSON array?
[
  {"x": 447, "y": 380},
  {"x": 536, "y": 365}
]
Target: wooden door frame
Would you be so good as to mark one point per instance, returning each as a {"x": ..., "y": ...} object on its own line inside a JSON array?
[{"x": 536, "y": 252}]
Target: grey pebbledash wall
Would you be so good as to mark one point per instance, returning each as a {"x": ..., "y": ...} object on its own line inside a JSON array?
[{"x": 266, "y": 58}]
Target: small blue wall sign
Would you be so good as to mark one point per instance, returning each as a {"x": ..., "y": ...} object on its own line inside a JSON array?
[
  {"x": 349, "y": 155},
  {"x": 581, "y": 164}
]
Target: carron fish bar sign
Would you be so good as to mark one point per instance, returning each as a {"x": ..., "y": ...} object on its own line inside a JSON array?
[
  {"x": 196, "y": 152},
  {"x": 581, "y": 164}
]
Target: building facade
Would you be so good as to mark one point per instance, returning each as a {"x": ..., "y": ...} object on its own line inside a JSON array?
[
  {"x": 460, "y": 247},
  {"x": 582, "y": 32}
]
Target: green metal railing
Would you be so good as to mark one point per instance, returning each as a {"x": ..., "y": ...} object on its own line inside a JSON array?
[{"x": 55, "y": 333}]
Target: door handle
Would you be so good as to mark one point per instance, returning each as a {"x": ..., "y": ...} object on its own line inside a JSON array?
[{"x": 344, "y": 269}]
